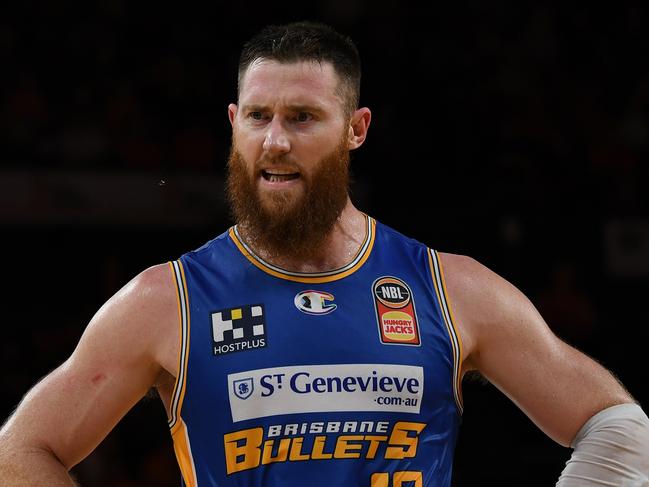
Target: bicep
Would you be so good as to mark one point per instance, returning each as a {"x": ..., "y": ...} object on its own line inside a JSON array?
[
  {"x": 73, "y": 408},
  {"x": 557, "y": 386},
  {"x": 70, "y": 411}
]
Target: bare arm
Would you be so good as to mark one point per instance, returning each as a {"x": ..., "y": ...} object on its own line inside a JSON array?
[
  {"x": 65, "y": 416},
  {"x": 507, "y": 340}
]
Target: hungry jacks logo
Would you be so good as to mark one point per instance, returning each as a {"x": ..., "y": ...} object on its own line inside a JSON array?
[{"x": 395, "y": 312}]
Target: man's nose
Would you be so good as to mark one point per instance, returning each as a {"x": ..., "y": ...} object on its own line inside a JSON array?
[{"x": 276, "y": 140}]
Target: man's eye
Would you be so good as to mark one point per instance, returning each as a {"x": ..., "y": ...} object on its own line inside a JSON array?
[
  {"x": 303, "y": 117},
  {"x": 256, "y": 115}
]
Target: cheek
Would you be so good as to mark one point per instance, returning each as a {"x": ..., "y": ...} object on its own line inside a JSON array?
[
  {"x": 247, "y": 146},
  {"x": 316, "y": 149}
]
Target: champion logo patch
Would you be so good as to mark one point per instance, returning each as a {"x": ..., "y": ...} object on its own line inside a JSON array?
[
  {"x": 395, "y": 312},
  {"x": 314, "y": 302}
]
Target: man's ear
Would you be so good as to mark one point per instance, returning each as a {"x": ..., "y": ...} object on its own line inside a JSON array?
[
  {"x": 232, "y": 112},
  {"x": 358, "y": 126}
]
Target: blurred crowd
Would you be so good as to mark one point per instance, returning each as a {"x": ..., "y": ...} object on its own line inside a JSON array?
[{"x": 519, "y": 136}]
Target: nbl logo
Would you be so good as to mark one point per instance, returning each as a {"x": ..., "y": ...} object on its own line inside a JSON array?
[
  {"x": 238, "y": 329},
  {"x": 395, "y": 311}
]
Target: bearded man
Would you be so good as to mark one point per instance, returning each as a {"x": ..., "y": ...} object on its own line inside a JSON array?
[{"x": 310, "y": 344}]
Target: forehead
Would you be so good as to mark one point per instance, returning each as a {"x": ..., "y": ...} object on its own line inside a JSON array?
[{"x": 267, "y": 82}]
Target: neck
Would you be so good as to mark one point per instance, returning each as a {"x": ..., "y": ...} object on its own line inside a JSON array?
[{"x": 338, "y": 248}]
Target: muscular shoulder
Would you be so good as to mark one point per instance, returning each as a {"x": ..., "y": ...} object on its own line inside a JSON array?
[
  {"x": 147, "y": 297},
  {"x": 153, "y": 290},
  {"x": 140, "y": 317},
  {"x": 476, "y": 285},
  {"x": 483, "y": 302}
]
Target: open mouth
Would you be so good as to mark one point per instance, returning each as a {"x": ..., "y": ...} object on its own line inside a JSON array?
[{"x": 278, "y": 176}]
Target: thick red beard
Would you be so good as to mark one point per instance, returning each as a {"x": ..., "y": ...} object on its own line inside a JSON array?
[{"x": 288, "y": 227}]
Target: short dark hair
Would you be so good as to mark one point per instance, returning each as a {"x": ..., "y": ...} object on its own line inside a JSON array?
[{"x": 308, "y": 41}]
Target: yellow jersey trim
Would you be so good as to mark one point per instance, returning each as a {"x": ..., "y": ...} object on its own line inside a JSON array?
[
  {"x": 456, "y": 342},
  {"x": 183, "y": 451},
  {"x": 183, "y": 355},
  {"x": 310, "y": 277}
]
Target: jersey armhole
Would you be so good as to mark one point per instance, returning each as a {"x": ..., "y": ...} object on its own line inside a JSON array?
[
  {"x": 437, "y": 273},
  {"x": 183, "y": 354}
]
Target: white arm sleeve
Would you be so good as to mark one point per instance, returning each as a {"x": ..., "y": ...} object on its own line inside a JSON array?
[{"x": 611, "y": 449}]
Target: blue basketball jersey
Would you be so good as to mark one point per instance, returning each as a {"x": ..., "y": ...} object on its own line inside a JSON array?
[{"x": 347, "y": 378}]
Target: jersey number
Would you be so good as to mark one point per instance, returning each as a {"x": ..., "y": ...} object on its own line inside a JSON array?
[{"x": 398, "y": 479}]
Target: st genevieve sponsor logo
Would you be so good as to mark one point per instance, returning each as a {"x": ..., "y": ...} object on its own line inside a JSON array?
[
  {"x": 395, "y": 312},
  {"x": 325, "y": 388}
]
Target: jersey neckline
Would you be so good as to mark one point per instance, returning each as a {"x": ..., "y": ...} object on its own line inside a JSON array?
[{"x": 310, "y": 277}]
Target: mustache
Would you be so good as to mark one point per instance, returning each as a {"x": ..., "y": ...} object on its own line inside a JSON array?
[{"x": 283, "y": 160}]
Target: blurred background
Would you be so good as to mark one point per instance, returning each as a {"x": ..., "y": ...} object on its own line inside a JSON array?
[{"x": 517, "y": 135}]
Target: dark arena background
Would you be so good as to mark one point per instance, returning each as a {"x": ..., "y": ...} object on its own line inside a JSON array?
[{"x": 517, "y": 135}]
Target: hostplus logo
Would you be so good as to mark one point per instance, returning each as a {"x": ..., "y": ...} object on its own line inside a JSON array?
[{"x": 238, "y": 329}]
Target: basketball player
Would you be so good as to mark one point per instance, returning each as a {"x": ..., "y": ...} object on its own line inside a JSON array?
[{"x": 310, "y": 344}]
